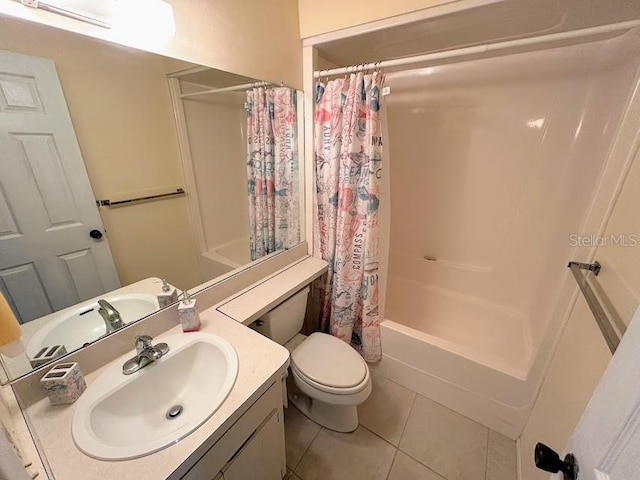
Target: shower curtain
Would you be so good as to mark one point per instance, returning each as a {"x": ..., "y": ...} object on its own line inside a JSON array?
[
  {"x": 348, "y": 161},
  {"x": 272, "y": 170}
]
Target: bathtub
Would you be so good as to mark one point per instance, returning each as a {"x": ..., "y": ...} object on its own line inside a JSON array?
[
  {"x": 462, "y": 352},
  {"x": 491, "y": 165},
  {"x": 226, "y": 257}
]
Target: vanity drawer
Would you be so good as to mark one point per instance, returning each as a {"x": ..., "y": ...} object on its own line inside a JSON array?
[{"x": 237, "y": 439}]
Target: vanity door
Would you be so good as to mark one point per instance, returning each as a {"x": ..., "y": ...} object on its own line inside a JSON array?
[{"x": 260, "y": 457}]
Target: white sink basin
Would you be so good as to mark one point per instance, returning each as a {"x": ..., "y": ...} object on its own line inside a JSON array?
[
  {"x": 83, "y": 324},
  {"x": 125, "y": 416}
]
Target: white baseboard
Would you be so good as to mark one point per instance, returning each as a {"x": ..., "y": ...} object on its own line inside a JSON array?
[{"x": 519, "y": 459}]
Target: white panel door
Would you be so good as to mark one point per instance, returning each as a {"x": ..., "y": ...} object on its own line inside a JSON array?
[
  {"x": 48, "y": 261},
  {"x": 606, "y": 442}
]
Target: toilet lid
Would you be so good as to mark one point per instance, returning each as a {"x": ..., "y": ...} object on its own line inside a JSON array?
[{"x": 329, "y": 361}]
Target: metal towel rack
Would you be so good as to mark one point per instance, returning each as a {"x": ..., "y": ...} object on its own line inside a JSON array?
[
  {"x": 610, "y": 333},
  {"x": 111, "y": 203}
]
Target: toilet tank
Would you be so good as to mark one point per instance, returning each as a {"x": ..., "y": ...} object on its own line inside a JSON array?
[{"x": 283, "y": 322}]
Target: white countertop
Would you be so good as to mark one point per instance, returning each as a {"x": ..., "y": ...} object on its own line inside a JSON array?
[
  {"x": 261, "y": 363},
  {"x": 253, "y": 302}
]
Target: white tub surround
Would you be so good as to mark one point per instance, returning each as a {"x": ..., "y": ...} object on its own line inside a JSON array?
[
  {"x": 501, "y": 163},
  {"x": 226, "y": 257},
  {"x": 262, "y": 364}
]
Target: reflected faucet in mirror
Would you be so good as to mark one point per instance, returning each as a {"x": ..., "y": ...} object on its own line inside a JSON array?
[
  {"x": 63, "y": 259},
  {"x": 111, "y": 316}
]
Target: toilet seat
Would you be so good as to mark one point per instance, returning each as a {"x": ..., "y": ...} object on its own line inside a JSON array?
[
  {"x": 328, "y": 364},
  {"x": 327, "y": 391}
]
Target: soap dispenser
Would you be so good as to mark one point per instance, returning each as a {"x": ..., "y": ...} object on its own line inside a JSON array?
[
  {"x": 168, "y": 296},
  {"x": 188, "y": 313}
]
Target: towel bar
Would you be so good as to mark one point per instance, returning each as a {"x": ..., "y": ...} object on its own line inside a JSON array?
[
  {"x": 110, "y": 203},
  {"x": 609, "y": 332}
]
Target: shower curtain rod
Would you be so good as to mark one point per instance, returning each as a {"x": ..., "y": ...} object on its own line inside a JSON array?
[
  {"x": 234, "y": 88},
  {"x": 489, "y": 47}
]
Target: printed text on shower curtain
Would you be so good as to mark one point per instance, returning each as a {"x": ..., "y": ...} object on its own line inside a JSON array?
[
  {"x": 348, "y": 168},
  {"x": 272, "y": 170}
]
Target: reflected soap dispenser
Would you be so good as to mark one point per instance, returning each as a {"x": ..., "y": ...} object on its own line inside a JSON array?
[
  {"x": 168, "y": 296},
  {"x": 188, "y": 313}
]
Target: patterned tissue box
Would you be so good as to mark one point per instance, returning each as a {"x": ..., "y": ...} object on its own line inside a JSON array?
[{"x": 64, "y": 383}]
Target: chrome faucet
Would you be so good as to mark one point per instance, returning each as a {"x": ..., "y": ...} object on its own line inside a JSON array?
[
  {"x": 146, "y": 353},
  {"x": 111, "y": 316}
]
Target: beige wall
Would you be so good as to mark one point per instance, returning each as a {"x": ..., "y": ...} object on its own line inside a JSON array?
[
  {"x": 620, "y": 276},
  {"x": 121, "y": 110},
  {"x": 329, "y": 15},
  {"x": 582, "y": 354},
  {"x": 255, "y": 38},
  {"x": 577, "y": 365}
]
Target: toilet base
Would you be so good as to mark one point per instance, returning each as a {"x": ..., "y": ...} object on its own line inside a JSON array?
[{"x": 339, "y": 418}]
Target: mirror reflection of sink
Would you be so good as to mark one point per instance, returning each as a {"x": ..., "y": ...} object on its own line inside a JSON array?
[
  {"x": 128, "y": 416},
  {"x": 83, "y": 324}
]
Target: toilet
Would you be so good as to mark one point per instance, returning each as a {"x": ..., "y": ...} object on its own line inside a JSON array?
[{"x": 328, "y": 378}]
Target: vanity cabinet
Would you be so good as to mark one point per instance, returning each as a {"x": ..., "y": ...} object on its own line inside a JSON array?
[
  {"x": 253, "y": 447},
  {"x": 259, "y": 457}
]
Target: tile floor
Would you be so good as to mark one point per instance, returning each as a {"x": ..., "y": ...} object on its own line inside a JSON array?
[{"x": 402, "y": 436}]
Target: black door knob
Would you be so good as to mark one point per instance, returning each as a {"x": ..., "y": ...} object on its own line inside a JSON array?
[
  {"x": 96, "y": 234},
  {"x": 548, "y": 460}
]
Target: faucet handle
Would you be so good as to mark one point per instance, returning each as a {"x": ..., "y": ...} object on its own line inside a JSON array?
[{"x": 142, "y": 342}]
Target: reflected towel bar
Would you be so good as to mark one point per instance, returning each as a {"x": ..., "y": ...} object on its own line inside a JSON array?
[
  {"x": 610, "y": 334},
  {"x": 109, "y": 203}
]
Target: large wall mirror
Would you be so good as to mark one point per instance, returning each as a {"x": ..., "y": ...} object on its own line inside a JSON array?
[{"x": 121, "y": 168}]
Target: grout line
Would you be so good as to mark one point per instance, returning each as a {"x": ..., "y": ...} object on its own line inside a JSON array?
[
  {"x": 428, "y": 467},
  {"x": 423, "y": 464},
  {"x": 374, "y": 433},
  {"x": 428, "y": 398},
  {"x": 406, "y": 422},
  {"x": 452, "y": 410},
  {"x": 395, "y": 454},
  {"x": 306, "y": 449}
]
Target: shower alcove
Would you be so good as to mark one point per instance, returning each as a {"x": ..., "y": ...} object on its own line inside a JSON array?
[{"x": 494, "y": 159}]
